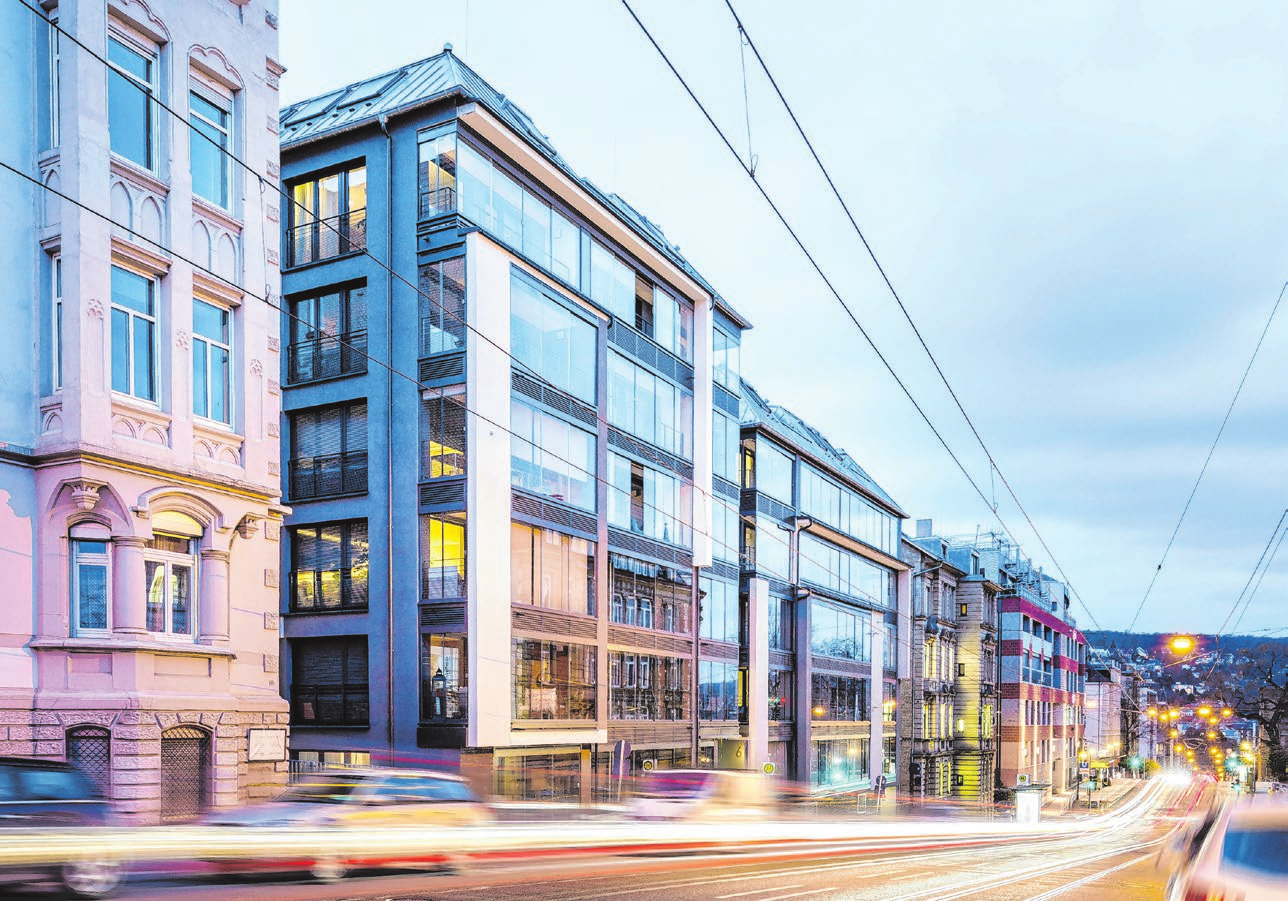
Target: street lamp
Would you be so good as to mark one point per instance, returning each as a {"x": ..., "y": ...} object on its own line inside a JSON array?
[
  {"x": 1181, "y": 644},
  {"x": 439, "y": 685}
]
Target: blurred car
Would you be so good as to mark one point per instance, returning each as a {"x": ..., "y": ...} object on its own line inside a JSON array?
[
  {"x": 1240, "y": 853},
  {"x": 48, "y": 795},
  {"x": 355, "y": 799},
  {"x": 701, "y": 794}
]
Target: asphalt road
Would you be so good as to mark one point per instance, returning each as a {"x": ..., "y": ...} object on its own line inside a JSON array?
[{"x": 1107, "y": 865}]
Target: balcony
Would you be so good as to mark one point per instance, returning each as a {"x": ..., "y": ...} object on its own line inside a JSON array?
[
  {"x": 323, "y": 704},
  {"x": 437, "y": 202},
  {"x": 322, "y": 239},
  {"x": 332, "y": 475},
  {"x": 326, "y": 357}
]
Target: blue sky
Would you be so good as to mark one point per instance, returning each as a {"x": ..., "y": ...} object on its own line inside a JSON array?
[{"x": 1085, "y": 210}]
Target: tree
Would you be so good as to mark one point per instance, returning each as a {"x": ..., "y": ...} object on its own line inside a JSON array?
[{"x": 1257, "y": 688}]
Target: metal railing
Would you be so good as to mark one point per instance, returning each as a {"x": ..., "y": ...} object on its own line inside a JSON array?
[
  {"x": 326, "y": 356},
  {"x": 437, "y": 202},
  {"x": 310, "y": 592},
  {"x": 329, "y": 475},
  {"x": 330, "y": 704},
  {"x": 321, "y": 239}
]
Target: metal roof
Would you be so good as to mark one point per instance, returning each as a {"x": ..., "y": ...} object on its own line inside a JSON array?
[
  {"x": 436, "y": 79},
  {"x": 758, "y": 411}
]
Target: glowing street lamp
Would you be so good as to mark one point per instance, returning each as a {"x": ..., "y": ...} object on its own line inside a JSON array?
[
  {"x": 1181, "y": 644},
  {"x": 1226, "y": 713},
  {"x": 1204, "y": 711}
]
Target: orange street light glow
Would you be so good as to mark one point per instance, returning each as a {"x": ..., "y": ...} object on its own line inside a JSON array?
[{"x": 1182, "y": 644}]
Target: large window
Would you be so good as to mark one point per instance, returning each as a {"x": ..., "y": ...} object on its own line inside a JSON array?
[
  {"x": 554, "y": 680},
  {"x": 131, "y": 101},
  {"x": 649, "y": 501},
  {"x": 780, "y": 624},
  {"x": 837, "y": 631},
  {"x": 650, "y": 407},
  {"x": 781, "y": 692},
  {"x": 328, "y": 335},
  {"x": 725, "y": 523},
  {"x": 329, "y": 681},
  {"x": 442, "y": 556},
  {"x": 437, "y": 175},
  {"x": 772, "y": 552},
  {"x": 771, "y": 473},
  {"x": 552, "y": 457},
  {"x": 720, "y": 611},
  {"x": 720, "y": 690},
  {"x": 444, "y": 688},
  {"x": 836, "y": 569},
  {"x": 211, "y": 362},
  {"x": 443, "y": 431},
  {"x": 847, "y": 511},
  {"x": 90, "y": 585},
  {"x": 329, "y": 451},
  {"x": 726, "y": 361},
  {"x": 551, "y": 341},
  {"x": 645, "y": 687},
  {"x": 442, "y": 306},
  {"x": 551, "y": 570},
  {"x": 842, "y": 698},
  {"x": 169, "y": 568},
  {"x": 612, "y": 282},
  {"x": 328, "y": 216},
  {"x": 724, "y": 446},
  {"x": 329, "y": 567},
  {"x": 663, "y": 318},
  {"x": 649, "y": 595},
  {"x": 210, "y": 143},
  {"x": 134, "y": 322}
]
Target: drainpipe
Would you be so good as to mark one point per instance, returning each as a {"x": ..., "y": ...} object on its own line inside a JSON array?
[{"x": 389, "y": 444}]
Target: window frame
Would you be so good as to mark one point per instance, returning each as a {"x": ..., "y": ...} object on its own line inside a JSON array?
[
  {"x": 153, "y": 319},
  {"x": 346, "y": 605},
  {"x": 95, "y": 559},
  {"x": 169, "y": 560},
  {"x": 226, "y": 104},
  {"x": 150, "y": 52},
  {"x": 208, "y": 380},
  {"x": 435, "y": 405},
  {"x": 56, "y": 298},
  {"x": 344, "y": 229}
]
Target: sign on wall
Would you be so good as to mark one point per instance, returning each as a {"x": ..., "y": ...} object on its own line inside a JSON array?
[{"x": 266, "y": 744}]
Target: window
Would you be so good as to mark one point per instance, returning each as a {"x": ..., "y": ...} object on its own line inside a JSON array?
[
  {"x": 437, "y": 175},
  {"x": 650, "y": 407},
  {"x": 442, "y": 306},
  {"x": 90, "y": 585},
  {"x": 554, "y": 680},
  {"x": 718, "y": 694},
  {"x": 649, "y": 595},
  {"x": 962, "y": 609},
  {"x": 133, "y": 334},
  {"x": 837, "y": 631},
  {"x": 328, "y": 335},
  {"x": 889, "y": 701},
  {"x": 442, "y": 433},
  {"x": 211, "y": 356},
  {"x": 210, "y": 143},
  {"x": 780, "y": 624},
  {"x": 329, "y": 567},
  {"x": 838, "y": 761},
  {"x": 442, "y": 556},
  {"x": 846, "y": 510},
  {"x": 773, "y": 471},
  {"x": 890, "y": 646},
  {"x": 550, "y": 340},
  {"x": 552, "y": 457},
  {"x": 841, "y": 698},
  {"x": 444, "y": 688},
  {"x": 781, "y": 693},
  {"x": 648, "y": 501},
  {"x": 644, "y": 687},
  {"x": 551, "y": 570},
  {"x": 725, "y": 520},
  {"x": 169, "y": 566},
  {"x": 726, "y": 360},
  {"x": 643, "y": 306},
  {"x": 90, "y": 749},
  {"x": 724, "y": 446},
  {"x": 56, "y": 288},
  {"x": 329, "y": 681},
  {"x": 328, "y": 217},
  {"x": 131, "y": 101},
  {"x": 55, "y": 82},
  {"x": 329, "y": 451},
  {"x": 773, "y": 549},
  {"x": 834, "y": 568},
  {"x": 720, "y": 614}
]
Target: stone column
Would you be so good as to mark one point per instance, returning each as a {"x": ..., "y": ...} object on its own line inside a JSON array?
[
  {"x": 129, "y": 590},
  {"x": 212, "y": 602}
]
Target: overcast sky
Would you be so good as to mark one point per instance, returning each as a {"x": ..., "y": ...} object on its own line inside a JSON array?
[{"x": 1085, "y": 209}]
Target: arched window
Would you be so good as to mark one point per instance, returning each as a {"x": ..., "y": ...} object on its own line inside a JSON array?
[
  {"x": 185, "y": 773},
  {"x": 90, "y": 749},
  {"x": 90, "y": 598}
]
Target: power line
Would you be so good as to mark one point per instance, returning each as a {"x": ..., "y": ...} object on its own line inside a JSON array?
[
  {"x": 1211, "y": 450},
  {"x": 743, "y": 33},
  {"x": 827, "y": 281}
]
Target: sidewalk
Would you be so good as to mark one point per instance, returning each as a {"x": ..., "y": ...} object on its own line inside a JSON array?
[{"x": 1101, "y": 799}]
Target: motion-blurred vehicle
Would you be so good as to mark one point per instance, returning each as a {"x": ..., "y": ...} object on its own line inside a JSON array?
[
  {"x": 356, "y": 799},
  {"x": 1241, "y": 853},
  {"x": 40, "y": 795},
  {"x": 700, "y": 795}
]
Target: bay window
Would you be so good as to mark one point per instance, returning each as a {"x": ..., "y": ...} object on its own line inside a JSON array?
[
  {"x": 442, "y": 306},
  {"x": 839, "y": 631},
  {"x": 649, "y": 501},
  {"x": 443, "y": 431},
  {"x": 649, "y": 595},
  {"x": 649, "y": 406},
  {"x": 726, "y": 360},
  {"x": 834, "y": 568}
]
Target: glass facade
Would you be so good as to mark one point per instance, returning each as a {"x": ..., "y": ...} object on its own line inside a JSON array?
[
  {"x": 839, "y": 631},
  {"x": 781, "y": 693},
  {"x": 442, "y": 556},
  {"x": 720, "y": 690},
  {"x": 649, "y": 501},
  {"x": 442, "y": 306},
  {"x": 650, "y": 407},
  {"x": 551, "y": 570},
  {"x": 838, "y": 762},
  {"x": 725, "y": 522},
  {"x": 771, "y": 472},
  {"x": 726, "y": 361},
  {"x": 649, "y": 595},
  {"x": 646, "y": 687},
  {"x": 443, "y": 432},
  {"x": 554, "y": 680},
  {"x": 444, "y": 688},
  {"x": 724, "y": 446},
  {"x": 843, "y": 698},
  {"x": 551, "y": 457},
  {"x": 551, "y": 341},
  {"x": 721, "y": 620},
  {"x": 846, "y": 511},
  {"x": 833, "y": 568}
]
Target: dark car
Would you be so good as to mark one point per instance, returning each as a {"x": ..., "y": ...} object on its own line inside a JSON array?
[{"x": 51, "y": 794}]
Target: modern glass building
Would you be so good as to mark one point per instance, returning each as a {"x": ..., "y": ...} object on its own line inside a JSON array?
[{"x": 500, "y": 387}]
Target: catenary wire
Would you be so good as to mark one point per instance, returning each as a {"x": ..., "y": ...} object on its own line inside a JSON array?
[{"x": 827, "y": 281}]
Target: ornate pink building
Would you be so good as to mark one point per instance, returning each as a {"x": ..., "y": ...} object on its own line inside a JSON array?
[{"x": 139, "y": 464}]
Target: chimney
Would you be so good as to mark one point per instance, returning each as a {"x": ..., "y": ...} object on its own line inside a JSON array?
[{"x": 925, "y": 528}]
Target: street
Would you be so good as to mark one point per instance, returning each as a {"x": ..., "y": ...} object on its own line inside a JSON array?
[{"x": 1106, "y": 857}]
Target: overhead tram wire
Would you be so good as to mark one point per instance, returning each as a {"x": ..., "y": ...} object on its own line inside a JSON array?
[
  {"x": 831, "y": 287},
  {"x": 1211, "y": 450},
  {"x": 1234, "y": 629},
  {"x": 743, "y": 33},
  {"x": 761, "y": 533}
]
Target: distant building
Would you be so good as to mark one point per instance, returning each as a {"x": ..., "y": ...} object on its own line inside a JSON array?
[
  {"x": 1105, "y": 707},
  {"x": 139, "y": 474}
]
